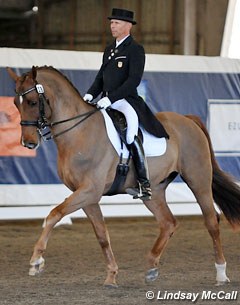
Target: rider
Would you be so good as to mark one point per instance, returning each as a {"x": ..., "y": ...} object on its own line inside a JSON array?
[{"x": 118, "y": 78}]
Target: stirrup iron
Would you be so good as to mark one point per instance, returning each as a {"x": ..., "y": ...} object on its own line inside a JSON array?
[{"x": 143, "y": 193}]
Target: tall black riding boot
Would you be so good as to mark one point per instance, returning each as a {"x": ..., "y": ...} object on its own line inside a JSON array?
[{"x": 144, "y": 191}]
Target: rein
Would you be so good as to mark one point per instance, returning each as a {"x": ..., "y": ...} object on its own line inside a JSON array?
[
  {"x": 42, "y": 123},
  {"x": 84, "y": 116}
]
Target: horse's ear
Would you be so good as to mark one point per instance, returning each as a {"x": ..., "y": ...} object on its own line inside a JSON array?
[
  {"x": 12, "y": 74},
  {"x": 34, "y": 72}
]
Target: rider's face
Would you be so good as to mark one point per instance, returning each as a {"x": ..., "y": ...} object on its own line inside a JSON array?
[{"x": 120, "y": 28}]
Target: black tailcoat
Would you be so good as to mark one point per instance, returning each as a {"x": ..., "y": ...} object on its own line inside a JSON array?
[{"x": 119, "y": 76}]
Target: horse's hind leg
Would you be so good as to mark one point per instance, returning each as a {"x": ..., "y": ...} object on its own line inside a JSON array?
[
  {"x": 95, "y": 216},
  {"x": 212, "y": 224},
  {"x": 168, "y": 225},
  {"x": 203, "y": 193}
]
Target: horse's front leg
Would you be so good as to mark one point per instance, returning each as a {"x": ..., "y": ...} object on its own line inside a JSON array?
[
  {"x": 168, "y": 225},
  {"x": 69, "y": 205},
  {"x": 95, "y": 216}
]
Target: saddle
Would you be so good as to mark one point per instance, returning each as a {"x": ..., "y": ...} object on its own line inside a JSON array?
[
  {"x": 120, "y": 123},
  {"x": 153, "y": 146}
]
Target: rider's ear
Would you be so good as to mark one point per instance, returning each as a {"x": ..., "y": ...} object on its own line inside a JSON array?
[{"x": 34, "y": 72}]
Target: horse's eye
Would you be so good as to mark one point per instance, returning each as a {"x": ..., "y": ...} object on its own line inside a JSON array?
[{"x": 32, "y": 103}]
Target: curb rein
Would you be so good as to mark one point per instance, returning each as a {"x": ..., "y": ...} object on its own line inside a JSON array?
[{"x": 42, "y": 123}]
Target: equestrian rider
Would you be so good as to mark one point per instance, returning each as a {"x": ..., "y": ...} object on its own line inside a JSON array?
[{"x": 118, "y": 78}]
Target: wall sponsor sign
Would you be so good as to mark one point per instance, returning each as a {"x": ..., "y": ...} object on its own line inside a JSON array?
[{"x": 224, "y": 126}]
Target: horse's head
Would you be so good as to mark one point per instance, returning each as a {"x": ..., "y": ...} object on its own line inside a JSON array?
[{"x": 32, "y": 105}]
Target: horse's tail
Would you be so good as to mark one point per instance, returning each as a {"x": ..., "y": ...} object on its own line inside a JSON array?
[{"x": 226, "y": 193}]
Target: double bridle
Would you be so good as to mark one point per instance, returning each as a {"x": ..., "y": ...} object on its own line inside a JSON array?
[{"x": 42, "y": 122}]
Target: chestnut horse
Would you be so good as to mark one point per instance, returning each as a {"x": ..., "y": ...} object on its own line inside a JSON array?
[{"x": 87, "y": 162}]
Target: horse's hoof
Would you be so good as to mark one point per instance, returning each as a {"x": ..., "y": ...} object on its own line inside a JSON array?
[
  {"x": 221, "y": 283},
  {"x": 37, "y": 267},
  {"x": 111, "y": 286},
  {"x": 151, "y": 275}
]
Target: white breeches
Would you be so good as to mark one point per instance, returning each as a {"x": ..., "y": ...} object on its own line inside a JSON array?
[{"x": 131, "y": 118}]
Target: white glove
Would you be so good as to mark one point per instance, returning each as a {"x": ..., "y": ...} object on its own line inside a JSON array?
[
  {"x": 88, "y": 98},
  {"x": 104, "y": 103}
]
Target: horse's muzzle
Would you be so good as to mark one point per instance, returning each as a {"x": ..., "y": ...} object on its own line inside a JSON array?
[{"x": 30, "y": 145}]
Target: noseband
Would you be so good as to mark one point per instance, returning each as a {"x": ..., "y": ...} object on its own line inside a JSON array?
[{"x": 42, "y": 122}]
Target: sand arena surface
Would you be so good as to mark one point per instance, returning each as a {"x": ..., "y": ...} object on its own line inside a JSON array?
[{"x": 75, "y": 267}]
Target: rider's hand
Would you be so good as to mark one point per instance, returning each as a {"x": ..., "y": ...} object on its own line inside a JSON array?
[
  {"x": 88, "y": 98},
  {"x": 104, "y": 103}
]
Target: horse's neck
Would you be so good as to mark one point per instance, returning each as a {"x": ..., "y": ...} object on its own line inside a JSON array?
[
  {"x": 66, "y": 103},
  {"x": 64, "y": 100}
]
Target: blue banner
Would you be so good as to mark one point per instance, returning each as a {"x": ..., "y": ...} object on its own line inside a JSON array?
[{"x": 185, "y": 92}]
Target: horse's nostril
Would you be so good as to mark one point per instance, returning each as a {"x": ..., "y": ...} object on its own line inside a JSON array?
[{"x": 30, "y": 145}]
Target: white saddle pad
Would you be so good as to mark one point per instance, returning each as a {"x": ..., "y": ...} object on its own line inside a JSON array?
[{"x": 152, "y": 145}]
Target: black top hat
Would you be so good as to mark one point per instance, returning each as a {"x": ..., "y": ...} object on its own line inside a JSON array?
[{"x": 121, "y": 14}]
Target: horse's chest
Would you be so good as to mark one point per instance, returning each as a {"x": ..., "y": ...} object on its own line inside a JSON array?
[{"x": 71, "y": 170}]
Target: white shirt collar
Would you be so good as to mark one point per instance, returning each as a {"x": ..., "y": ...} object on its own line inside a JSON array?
[{"x": 122, "y": 40}]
